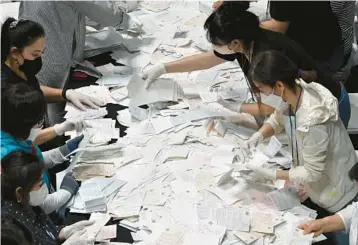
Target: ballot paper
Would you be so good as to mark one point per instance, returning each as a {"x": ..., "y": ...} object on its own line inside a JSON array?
[
  {"x": 138, "y": 113},
  {"x": 248, "y": 237},
  {"x": 207, "y": 239},
  {"x": 102, "y": 41},
  {"x": 135, "y": 60},
  {"x": 273, "y": 147},
  {"x": 160, "y": 90},
  {"x": 156, "y": 6},
  {"x": 261, "y": 222},
  {"x": 107, "y": 232},
  {"x": 284, "y": 199},
  {"x": 87, "y": 171},
  {"x": 87, "y": 114},
  {"x": 100, "y": 220},
  {"x": 209, "y": 97},
  {"x": 177, "y": 152},
  {"x": 161, "y": 124},
  {"x": 232, "y": 218},
  {"x": 297, "y": 237}
]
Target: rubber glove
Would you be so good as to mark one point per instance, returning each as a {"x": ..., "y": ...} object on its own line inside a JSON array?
[
  {"x": 78, "y": 239},
  {"x": 79, "y": 100},
  {"x": 255, "y": 140},
  {"x": 266, "y": 173},
  {"x": 232, "y": 106},
  {"x": 71, "y": 145},
  {"x": 69, "y": 184},
  {"x": 70, "y": 230},
  {"x": 152, "y": 74},
  {"x": 69, "y": 125}
]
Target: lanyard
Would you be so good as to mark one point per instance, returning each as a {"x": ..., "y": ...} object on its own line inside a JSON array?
[{"x": 290, "y": 115}]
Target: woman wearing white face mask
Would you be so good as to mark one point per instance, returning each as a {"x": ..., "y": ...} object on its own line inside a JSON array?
[
  {"x": 236, "y": 35},
  {"x": 321, "y": 149},
  {"x": 22, "y": 110},
  {"x": 22, "y": 190}
]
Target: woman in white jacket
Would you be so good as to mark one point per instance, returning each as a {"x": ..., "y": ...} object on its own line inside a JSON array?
[
  {"x": 321, "y": 149},
  {"x": 344, "y": 220}
]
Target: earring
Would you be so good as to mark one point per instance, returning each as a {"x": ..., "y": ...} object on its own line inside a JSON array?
[{"x": 19, "y": 199}]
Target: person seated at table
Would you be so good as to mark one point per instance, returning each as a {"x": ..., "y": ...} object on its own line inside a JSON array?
[
  {"x": 321, "y": 149},
  {"x": 344, "y": 220},
  {"x": 236, "y": 34},
  {"x": 64, "y": 23},
  {"x": 22, "y": 191},
  {"x": 22, "y": 114},
  {"x": 22, "y": 45}
]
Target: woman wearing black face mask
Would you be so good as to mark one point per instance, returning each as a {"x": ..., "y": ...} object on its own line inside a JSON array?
[{"x": 22, "y": 44}]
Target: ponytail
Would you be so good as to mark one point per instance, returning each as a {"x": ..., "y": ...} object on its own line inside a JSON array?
[
  {"x": 18, "y": 33},
  {"x": 232, "y": 21}
]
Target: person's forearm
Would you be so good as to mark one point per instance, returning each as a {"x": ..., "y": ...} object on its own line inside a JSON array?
[
  {"x": 332, "y": 223},
  {"x": 45, "y": 135},
  {"x": 256, "y": 109},
  {"x": 274, "y": 25},
  {"x": 55, "y": 200},
  {"x": 194, "y": 63},
  {"x": 267, "y": 130},
  {"x": 284, "y": 175},
  {"x": 52, "y": 94}
]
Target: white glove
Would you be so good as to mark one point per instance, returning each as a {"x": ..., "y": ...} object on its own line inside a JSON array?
[
  {"x": 77, "y": 238},
  {"x": 232, "y": 106},
  {"x": 255, "y": 139},
  {"x": 263, "y": 172},
  {"x": 152, "y": 74},
  {"x": 71, "y": 229},
  {"x": 69, "y": 125},
  {"x": 79, "y": 99}
]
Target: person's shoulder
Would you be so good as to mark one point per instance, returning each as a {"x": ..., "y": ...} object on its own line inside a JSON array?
[{"x": 13, "y": 232}]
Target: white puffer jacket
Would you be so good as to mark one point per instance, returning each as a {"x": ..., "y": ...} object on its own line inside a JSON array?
[{"x": 326, "y": 153}]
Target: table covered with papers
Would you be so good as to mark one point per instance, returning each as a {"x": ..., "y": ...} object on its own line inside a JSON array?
[{"x": 169, "y": 180}]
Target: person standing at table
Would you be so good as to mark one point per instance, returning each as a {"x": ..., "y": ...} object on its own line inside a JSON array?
[
  {"x": 320, "y": 146},
  {"x": 344, "y": 220},
  {"x": 64, "y": 24},
  {"x": 236, "y": 34}
]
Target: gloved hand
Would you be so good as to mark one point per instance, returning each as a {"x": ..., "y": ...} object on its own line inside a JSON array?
[
  {"x": 255, "y": 140},
  {"x": 71, "y": 145},
  {"x": 69, "y": 184},
  {"x": 78, "y": 100},
  {"x": 69, "y": 125},
  {"x": 263, "y": 172},
  {"x": 70, "y": 230},
  {"x": 152, "y": 74},
  {"x": 78, "y": 239},
  {"x": 232, "y": 106}
]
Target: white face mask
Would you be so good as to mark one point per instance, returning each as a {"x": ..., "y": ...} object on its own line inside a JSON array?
[
  {"x": 39, "y": 196},
  {"x": 223, "y": 50},
  {"x": 34, "y": 132},
  {"x": 274, "y": 101}
]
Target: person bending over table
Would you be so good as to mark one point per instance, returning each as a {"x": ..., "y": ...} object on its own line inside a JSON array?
[
  {"x": 236, "y": 34},
  {"x": 320, "y": 146},
  {"x": 22, "y": 191},
  {"x": 22, "y": 45},
  {"x": 22, "y": 114},
  {"x": 64, "y": 23}
]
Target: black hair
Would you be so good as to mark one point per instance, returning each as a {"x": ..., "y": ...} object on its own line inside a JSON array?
[
  {"x": 232, "y": 21},
  {"x": 13, "y": 232},
  {"x": 22, "y": 107},
  {"x": 20, "y": 34},
  {"x": 353, "y": 173},
  {"x": 20, "y": 169},
  {"x": 271, "y": 66}
]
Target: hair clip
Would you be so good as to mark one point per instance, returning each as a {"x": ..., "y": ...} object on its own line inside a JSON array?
[{"x": 13, "y": 24}]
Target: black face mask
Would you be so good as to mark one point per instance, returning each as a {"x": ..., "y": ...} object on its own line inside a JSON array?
[{"x": 31, "y": 67}]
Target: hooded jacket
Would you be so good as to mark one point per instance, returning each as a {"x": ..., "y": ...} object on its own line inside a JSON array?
[{"x": 325, "y": 151}]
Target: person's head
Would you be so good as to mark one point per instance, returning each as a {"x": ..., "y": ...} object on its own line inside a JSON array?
[
  {"x": 272, "y": 73},
  {"x": 23, "y": 108},
  {"x": 353, "y": 173},
  {"x": 21, "y": 179},
  {"x": 231, "y": 28},
  {"x": 22, "y": 44}
]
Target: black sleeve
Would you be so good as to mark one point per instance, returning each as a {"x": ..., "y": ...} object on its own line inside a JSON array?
[
  {"x": 228, "y": 57},
  {"x": 282, "y": 10}
]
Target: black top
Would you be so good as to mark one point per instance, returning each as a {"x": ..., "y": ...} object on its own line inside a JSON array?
[
  {"x": 9, "y": 76},
  {"x": 270, "y": 40},
  {"x": 36, "y": 226},
  {"x": 312, "y": 24}
]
